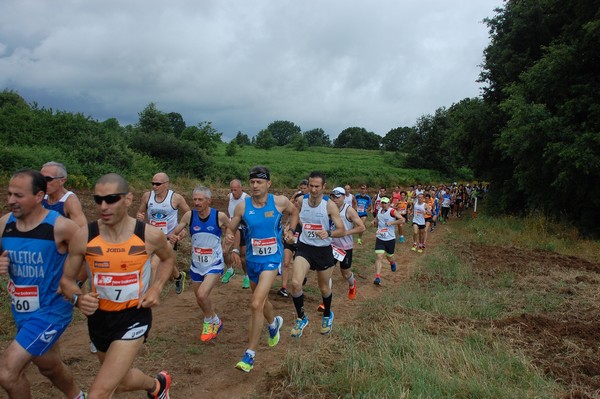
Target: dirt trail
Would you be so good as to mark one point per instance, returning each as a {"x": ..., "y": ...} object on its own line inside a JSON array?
[
  {"x": 563, "y": 341},
  {"x": 202, "y": 370}
]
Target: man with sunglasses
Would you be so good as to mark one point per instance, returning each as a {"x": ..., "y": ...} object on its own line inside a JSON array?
[
  {"x": 117, "y": 249},
  {"x": 33, "y": 250},
  {"x": 163, "y": 206},
  {"x": 57, "y": 197}
]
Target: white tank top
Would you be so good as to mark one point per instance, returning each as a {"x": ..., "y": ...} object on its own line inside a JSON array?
[
  {"x": 162, "y": 214},
  {"x": 312, "y": 220},
  {"x": 419, "y": 215},
  {"x": 233, "y": 203},
  {"x": 345, "y": 242},
  {"x": 385, "y": 232}
]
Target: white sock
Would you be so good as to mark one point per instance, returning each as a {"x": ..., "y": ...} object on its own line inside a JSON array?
[
  {"x": 350, "y": 279},
  {"x": 251, "y": 353}
]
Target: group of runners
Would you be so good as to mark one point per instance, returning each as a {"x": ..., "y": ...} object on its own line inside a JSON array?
[{"x": 113, "y": 269}]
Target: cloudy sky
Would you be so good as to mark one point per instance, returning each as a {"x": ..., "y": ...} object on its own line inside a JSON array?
[{"x": 242, "y": 64}]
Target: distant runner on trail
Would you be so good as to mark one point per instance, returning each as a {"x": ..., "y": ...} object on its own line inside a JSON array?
[
  {"x": 385, "y": 242},
  {"x": 363, "y": 207}
]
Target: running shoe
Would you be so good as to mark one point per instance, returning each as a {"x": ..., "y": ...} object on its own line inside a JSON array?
[
  {"x": 274, "y": 332},
  {"x": 299, "y": 327},
  {"x": 414, "y": 247},
  {"x": 246, "y": 282},
  {"x": 401, "y": 239},
  {"x": 327, "y": 324},
  {"x": 359, "y": 241},
  {"x": 211, "y": 330},
  {"x": 393, "y": 266},
  {"x": 180, "y": 283},
  {"x": 377, "y": 281},
  {"x": 420, "y": 250},
  {"x": 352, "y": 291},
  {"x": 164, "y": 381},
  {"x": 321, "y": 308},
  {"x": 93, "y": 348},
  {"x": 283, "y": 292},
  {"x": 246, "y": 364},
  {"x": 227, "y": 276}
]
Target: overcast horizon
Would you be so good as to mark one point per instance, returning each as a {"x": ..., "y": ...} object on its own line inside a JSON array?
[{"x": 242, "y": 65}]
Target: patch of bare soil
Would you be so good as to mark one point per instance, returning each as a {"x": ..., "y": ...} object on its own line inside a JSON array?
[{"x": 564, "y": 342}]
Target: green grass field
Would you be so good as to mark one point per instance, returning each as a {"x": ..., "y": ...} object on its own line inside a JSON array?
[{"x": 341, "y": 166}]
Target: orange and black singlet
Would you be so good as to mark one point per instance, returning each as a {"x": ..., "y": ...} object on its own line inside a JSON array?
[{"x": 120, "y": 272}]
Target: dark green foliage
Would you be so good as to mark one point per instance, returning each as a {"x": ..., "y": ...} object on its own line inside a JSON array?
[
  {"x": 231, "y": 148},
  {"x": 264, "y": 139},
  {"x": 177, "y": 123},
  {"x": 396, "y": 139},
  {"x": 299, "y": 142},
  {"x": 317, "y": 138},
  {"x": 204, "y": 136},
  {"x": 242, "y": 139},
  {"x": 357, "y": 137},
  {"x": 543, "y": 72},
  {"x": 283, "y": 131}
]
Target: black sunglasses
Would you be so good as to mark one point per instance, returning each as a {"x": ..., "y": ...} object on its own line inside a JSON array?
[
  {"x": 50, "y": 178},
  {"x": 109, "y": 199},
  {"x": 156, "y": 183}
]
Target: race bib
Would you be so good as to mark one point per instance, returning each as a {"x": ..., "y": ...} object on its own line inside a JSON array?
[
  {"x": 338, "y": 253},
  {"x": 311, "y": 230},
  {"x": 264, "y": 246},
  {"x": 203, "y": 256},
  {"x": 118, "y": 287},
  {"x": 161, "y": 224},
  {"x": 383, "y": 231},
  {"x": 24, "y": 298},
  {"x": 360, "y": 208}
]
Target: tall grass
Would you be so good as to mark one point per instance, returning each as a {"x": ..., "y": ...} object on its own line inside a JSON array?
[{"x": 425, "y": 339}]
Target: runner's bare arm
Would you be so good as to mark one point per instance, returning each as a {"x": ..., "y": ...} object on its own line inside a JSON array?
[
  {"x": 157, "y": 244},
  {"x": 334, "y": 215},
  {"x": 180, "y": 203},
  {"x": 286, "y": 207},
  {"x": 229, "y": 235},
  {"x": 87, "y": 303},
  {"x": 141, "y": 213},
  {"x": 358, "y": 225},
  {"x": 183, "y": 224},
  {"x": 74, "y": 211},
  {"x": 4, "y": 261}
]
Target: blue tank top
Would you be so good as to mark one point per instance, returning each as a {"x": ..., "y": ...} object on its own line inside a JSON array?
[
  {"x": 58, "y": 206},
  {"x": 362, "y": 204},
  {"x": 206, "y": 242},
  {"x": 263, "y": 232},
  {"x": 35, "y": 271}
]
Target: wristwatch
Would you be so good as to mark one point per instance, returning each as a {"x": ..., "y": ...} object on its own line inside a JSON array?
[{"x": 74, "y": 299}]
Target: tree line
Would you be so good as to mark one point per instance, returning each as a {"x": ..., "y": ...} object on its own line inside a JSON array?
[{"x": 534, "y": 133}]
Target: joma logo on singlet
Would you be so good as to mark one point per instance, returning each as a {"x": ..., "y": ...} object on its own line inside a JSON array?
[{"x": 115, "y": 250}]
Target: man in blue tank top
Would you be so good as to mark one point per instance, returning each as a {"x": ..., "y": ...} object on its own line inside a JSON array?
[
  {"x": 33, "y": 250},
  {"x": 262, "y": 214}
]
